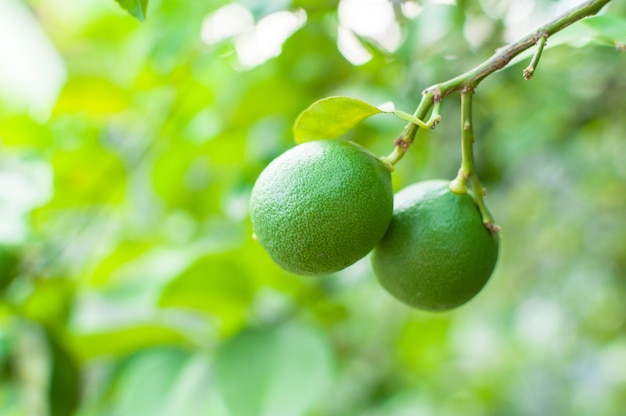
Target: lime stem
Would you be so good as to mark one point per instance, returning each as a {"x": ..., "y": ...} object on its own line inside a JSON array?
[
  {"x": 530, "y": 69},
  {"x": 407, "y": 137},
  {"x": 468, "y": 166}
]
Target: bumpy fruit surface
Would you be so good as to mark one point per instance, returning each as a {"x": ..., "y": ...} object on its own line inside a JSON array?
[
  {"x": 436, "y": 254},
  {"x": 321, "y": 206}
]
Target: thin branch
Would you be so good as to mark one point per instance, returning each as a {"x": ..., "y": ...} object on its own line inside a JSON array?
[
  {"x": 469, "y": 80},
  {"x": 404, "y": 141},
  {"x": 503, "y": 56}
]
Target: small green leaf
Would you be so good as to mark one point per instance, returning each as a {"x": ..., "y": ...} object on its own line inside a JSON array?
[
  {"x": 276, "y": 371},
  {"x": 330, "y": 117},
  {"x": 609, "y": 28},
  {"x": 136, "y": 8}
]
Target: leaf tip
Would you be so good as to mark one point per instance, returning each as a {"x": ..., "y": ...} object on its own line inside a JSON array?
[{"x": 135, "y": 8}]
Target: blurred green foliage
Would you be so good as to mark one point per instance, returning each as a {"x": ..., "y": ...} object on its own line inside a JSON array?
[{"x": 130, "y": 284}]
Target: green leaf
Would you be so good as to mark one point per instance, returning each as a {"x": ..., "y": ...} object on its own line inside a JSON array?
[
  {"x": 609, "y": 28},
  {"x": 330, "y": 117},
  {"x": 277, "y": 371},
  {"x": 136, "y": 8}
]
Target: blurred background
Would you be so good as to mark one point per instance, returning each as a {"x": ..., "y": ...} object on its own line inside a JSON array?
[{"x": 129, "y": 281}]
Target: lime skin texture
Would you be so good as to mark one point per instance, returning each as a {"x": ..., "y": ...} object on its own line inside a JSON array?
[
  {"x": 321, "y": 206},
  {"x": 437, "y": 254}
]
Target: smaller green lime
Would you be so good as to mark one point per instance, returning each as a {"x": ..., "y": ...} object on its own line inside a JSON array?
[
  {"x": 321, "y": 206},
  {"x": 437, "y": 254}
]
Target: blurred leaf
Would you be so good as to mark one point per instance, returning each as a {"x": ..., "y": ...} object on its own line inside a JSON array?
[
  {"x": 65, "y": 384},
  {"x": 217, "y": 285},
  {"x": 419, "y": 344},
  {"x": 193, "y": 393},
  {"x": 330, "y": 117},
  {"x": 104, "y": 97},
  {"x": 125, "y": 253},
  {"x": 276, "y": 371},
  {"x": 184, "y": 178},
  {"x": 610, "y": 28},
  {"x": 22, "y": 131},
  {"x": 50, "y": 301},
  {"x": 9, "y": 265},
  {"x": 136, "y": 8},
  {"x": 148, "y": 380},
  {"x": 120, "y": 341},
  {"x": 88, "y": 174},
  {"x": 11, "y": 399},
  {"x": 163, "y": 381},
  {"x": 315, "y": 5}
]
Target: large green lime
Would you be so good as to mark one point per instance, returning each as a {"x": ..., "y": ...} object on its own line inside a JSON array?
[
  {"x": 436, "y": 254},
  {"x": 321, "y": 206}
]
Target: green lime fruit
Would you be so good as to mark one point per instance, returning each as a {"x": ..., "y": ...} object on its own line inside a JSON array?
[
  {"x": 437, "y": 254},
  {"x": 321, "y": 206}
]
